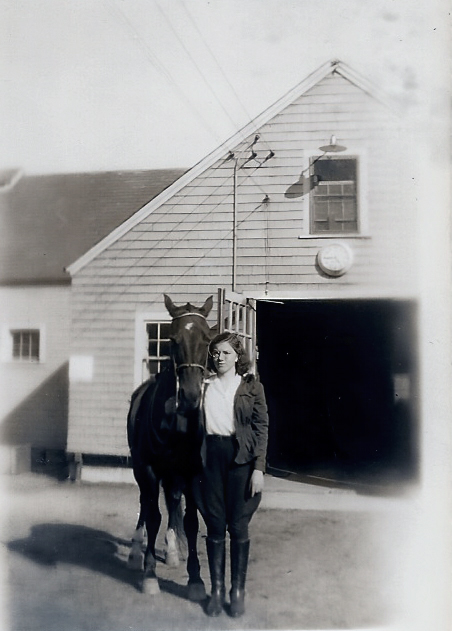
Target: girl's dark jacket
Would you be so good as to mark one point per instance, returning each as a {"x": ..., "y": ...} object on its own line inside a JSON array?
[{"x": 251, "y": 422}]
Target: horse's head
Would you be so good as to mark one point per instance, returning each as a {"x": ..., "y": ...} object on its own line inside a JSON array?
[{"x": 190, "y": 336}]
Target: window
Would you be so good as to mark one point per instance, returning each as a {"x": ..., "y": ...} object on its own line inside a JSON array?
[
  {"x": 334, "y": 196},
  {"x": 158, "y": 346},
  {"x": 26, "y": 345}
]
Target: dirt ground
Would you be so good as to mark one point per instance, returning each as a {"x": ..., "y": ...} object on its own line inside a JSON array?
[{"x": 65, "y": 549}]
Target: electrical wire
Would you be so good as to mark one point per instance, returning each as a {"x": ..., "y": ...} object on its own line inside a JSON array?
[
  {"x": 138, "y": 277},
  {"x": 207, "y": 175},
  {"x": 224, "y": 238},
  {"x": 161, "y": 68},
  {"x": 209, "y": 86},
  {"x": 223, "y": 74},
  {"x": 148, "y": 227},
  {"x": 157, "y": 64}
]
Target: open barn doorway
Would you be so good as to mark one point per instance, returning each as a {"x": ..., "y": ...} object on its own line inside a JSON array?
[{"x": 342, "y": 386}]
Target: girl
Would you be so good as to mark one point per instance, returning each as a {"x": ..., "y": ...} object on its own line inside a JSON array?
[{"x": 229, "y": 489}]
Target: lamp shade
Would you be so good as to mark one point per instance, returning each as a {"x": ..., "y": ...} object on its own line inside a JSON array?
[{"x": 333, "y": 147}]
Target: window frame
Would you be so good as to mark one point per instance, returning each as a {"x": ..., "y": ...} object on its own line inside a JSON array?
[
  {"x": 28, "y": 344},
  {"x": 142, "y": 319},
  {"x": 7, "y": 343},
  {"x": 312, "y": 194},
  {"x": 159, "y": 358},
  {"x": 359, "y": 153}
]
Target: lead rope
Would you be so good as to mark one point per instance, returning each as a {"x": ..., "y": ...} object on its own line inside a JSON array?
[{"x": 176, "y": 373}]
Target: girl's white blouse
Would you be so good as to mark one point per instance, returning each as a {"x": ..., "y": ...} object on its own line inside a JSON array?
[{"x": 219, "y": 405}]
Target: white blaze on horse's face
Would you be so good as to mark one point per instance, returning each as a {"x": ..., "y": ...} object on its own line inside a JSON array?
[{"x": 189, "y": 326}]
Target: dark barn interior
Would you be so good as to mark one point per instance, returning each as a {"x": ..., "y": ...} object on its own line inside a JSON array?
[{"x": 341, "y": 384}]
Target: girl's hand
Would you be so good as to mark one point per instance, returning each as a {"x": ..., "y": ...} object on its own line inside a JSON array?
[{"x": 257, "y": 482}]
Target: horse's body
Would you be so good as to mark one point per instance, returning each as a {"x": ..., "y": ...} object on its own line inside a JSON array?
[{"x": 165, "y": 435}]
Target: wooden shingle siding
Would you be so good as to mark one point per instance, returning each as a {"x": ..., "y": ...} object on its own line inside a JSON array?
[{"x": 184, "y": 247}]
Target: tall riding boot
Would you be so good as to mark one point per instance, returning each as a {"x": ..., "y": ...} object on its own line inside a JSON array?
[
  {"x": 239, "y": 564},
  {"x": 216, "y": 555}
]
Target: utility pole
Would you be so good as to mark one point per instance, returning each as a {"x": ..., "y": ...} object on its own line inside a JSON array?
[{"x": 234, "y": 227}]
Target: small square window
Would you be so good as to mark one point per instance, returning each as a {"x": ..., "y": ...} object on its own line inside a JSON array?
[
  {"x": 334, "y": 197},
  {"x": 26, "y": 345}
]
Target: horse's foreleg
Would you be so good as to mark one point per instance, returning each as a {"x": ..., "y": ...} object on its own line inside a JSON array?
[
  {"x": 196, "y": 587},
  {"x": 173, "y": 496},
  {"x": 150, "y": 514},
  {"x": 136, "y": 556},
  {"x": 153, "y": 519}
]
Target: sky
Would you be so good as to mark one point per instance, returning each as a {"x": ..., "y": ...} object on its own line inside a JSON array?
[{"x": 97, "y": 85}]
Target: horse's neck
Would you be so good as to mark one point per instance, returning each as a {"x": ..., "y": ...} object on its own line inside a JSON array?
[{"x": 167, "y": 382}]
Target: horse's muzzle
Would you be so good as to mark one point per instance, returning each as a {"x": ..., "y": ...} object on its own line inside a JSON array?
[{"x": 188, "y": 402}]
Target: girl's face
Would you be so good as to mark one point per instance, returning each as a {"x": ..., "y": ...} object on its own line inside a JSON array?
[{"x": 224, "y": 357}]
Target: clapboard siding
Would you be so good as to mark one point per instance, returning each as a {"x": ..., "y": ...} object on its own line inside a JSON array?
[{"x": 184, "y": 247}]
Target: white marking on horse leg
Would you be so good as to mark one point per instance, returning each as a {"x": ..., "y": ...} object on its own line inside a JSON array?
[
  {"x": 139, "y": 534},
  {"x": 172, "y": 554},
  {"x": 136, "y": 556},
  {"x": 151, "y": 586}
]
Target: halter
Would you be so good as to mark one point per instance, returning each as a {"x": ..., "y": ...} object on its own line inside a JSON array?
[
  {"x": 184, "y": 315},
  {"x": 179, "y": 367},
  {"x": 190, "y": 366}
]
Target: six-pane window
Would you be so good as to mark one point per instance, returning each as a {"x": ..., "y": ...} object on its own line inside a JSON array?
[
  {"x": 26, "y": 345},
  {"x": 334, "y": 196},
  {"x": 158, "y": 346}
]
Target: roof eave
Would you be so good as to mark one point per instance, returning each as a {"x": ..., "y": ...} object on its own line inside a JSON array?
[
  {"x": 366, "y": 86},
  {"x": 31, "y": 282}
]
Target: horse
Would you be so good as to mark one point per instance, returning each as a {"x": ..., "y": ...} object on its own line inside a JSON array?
[{"x": 165, "y": 435}]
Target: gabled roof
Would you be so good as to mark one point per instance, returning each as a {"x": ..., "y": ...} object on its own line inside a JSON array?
[
  {"x": 48, "y": 221},
  {"x": 331, "y": 67}
]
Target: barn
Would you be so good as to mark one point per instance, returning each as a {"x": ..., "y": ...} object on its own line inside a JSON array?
[{"x": 303, "y": 228}]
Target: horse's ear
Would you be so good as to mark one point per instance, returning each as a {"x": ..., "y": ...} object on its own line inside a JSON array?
[
  {"x": 207, "y": 307},
  {"x": 169, "y": 304}
]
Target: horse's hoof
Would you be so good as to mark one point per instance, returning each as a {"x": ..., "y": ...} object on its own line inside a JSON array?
[
  {"x": 135, "y": 562},
  {"x": 215, "y": 605},
  {"x": 196, "y": 591},
  {"x": 150, "y": 587},
  {"x": 172, "y": 559}
]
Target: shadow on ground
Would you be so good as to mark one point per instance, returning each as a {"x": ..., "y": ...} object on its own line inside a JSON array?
[
  {"x": 96, "y": 550},
  {"x": 67, "y": 548}
]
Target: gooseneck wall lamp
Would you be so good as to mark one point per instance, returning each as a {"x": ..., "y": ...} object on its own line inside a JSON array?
[{"x": 306, "y": 183}]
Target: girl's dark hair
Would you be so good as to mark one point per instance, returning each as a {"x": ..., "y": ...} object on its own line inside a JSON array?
[{"x": 243, "y": 362}]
